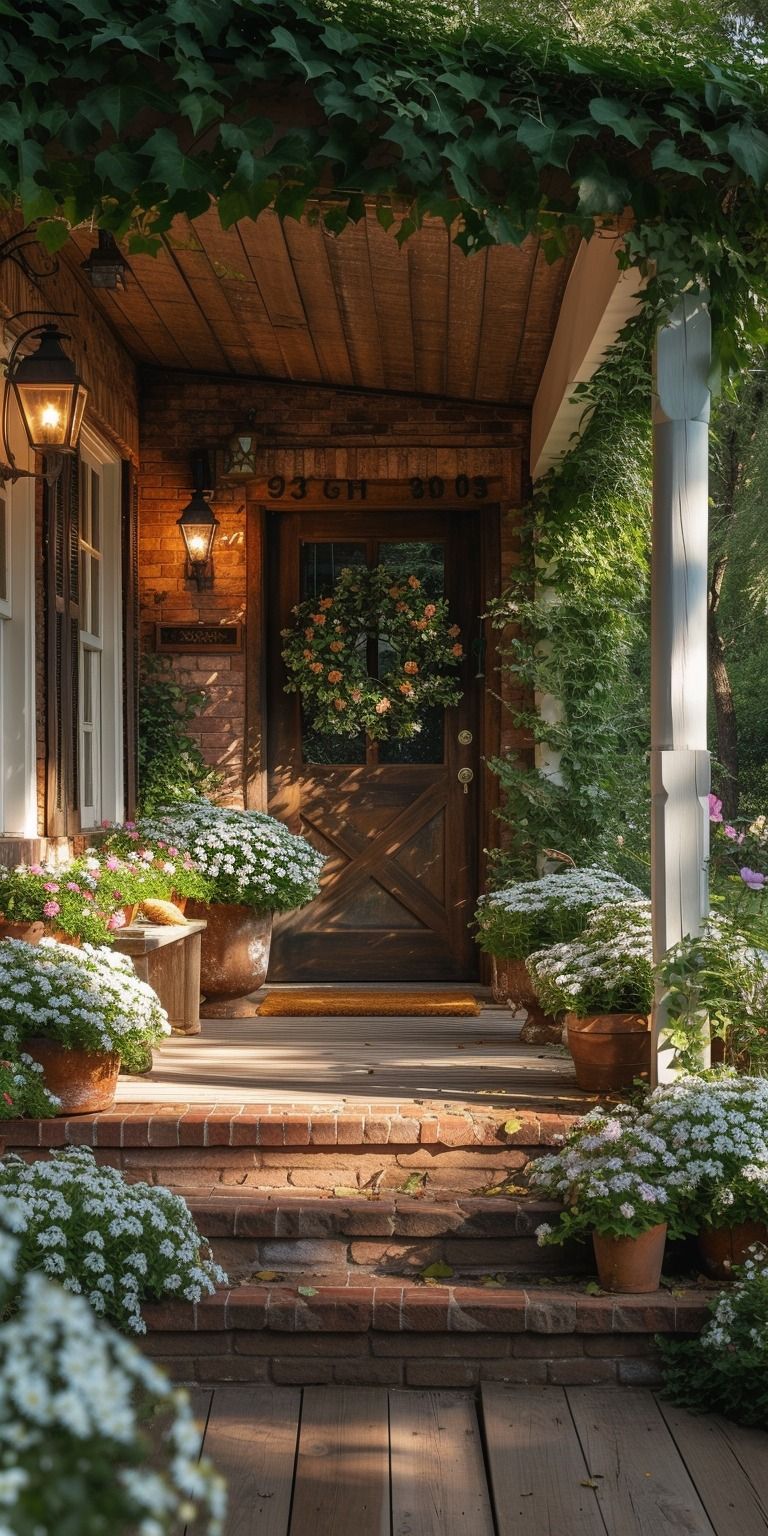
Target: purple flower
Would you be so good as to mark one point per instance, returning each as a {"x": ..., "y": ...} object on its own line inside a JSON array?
[
  {"x": 51, "y": 885},
  {"x": 736, "y": 837},
  {"x": 715, "y": 808},
  {"x": 752, "y": 878},
  {"x": 50, "y": 908}
]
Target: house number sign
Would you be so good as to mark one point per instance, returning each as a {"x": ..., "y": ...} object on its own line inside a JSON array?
[{"x": 474, "y": 487}]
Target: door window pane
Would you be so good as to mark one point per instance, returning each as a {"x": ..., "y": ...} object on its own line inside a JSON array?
[{"x": 425, "y": 561}]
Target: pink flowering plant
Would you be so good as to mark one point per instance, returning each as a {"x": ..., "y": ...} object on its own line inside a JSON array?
[
  {"x": 738, "y": 859},
  {"x": 65, "y": 897},
  {"x": 130, "y": 842},
  {"x": 614, "y": 1176}
]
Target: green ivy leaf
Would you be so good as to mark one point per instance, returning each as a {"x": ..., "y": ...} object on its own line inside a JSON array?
[
  {"x": 749, "y": 147},
  {"x": 614, "y": 114},
  {"x": 545, "y": 140},
  {"x": 667, "y": 156},
  {"x": 600, "y": 189},
  {"x": 53, "y": 234},
  {"x": 286, "y": 42}
]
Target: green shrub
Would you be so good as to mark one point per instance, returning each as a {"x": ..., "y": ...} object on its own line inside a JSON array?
[{"x": 171, "y": 766}]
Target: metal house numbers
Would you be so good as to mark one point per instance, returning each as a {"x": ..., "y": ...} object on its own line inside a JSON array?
[{"x": 434, "y": 488}]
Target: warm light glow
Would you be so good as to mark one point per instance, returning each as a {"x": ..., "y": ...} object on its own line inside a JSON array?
[{"x": 197, "y": 545}]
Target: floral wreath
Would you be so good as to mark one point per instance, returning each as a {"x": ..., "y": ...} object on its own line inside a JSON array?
[{"x": 326, "y": 655}]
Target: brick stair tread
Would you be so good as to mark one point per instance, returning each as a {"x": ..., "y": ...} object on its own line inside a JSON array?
[
  {"x": 297, "y": 1214},
  {"x": 394, "y": 1305},
  {"x": 264, "y": 1125}
]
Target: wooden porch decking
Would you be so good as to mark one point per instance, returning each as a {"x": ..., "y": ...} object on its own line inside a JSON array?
[
  {"x": 524, "y": 1461},
  {"x": 477, "y": 1061}
]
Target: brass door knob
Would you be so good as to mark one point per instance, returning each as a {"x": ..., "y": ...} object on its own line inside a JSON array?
[{"x": 465, "y": 777}]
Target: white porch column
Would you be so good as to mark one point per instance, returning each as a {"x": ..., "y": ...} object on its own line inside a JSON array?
[{"x": 679, "y": 757}]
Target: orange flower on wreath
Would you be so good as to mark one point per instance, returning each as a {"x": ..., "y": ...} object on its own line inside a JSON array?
[
  {"x": 309, "y": 634},
  {"x": 317, "y": 666},
  {"x": 394, "y": 591},
  {"x": 356, "y": 695},
  {"x": 457, "y": 650},
  {"x": 307, "y": 655},
  {"x": 454, "y": 630},
  {"x": 401, "y": 608},
  {"x": 414, "y": 583},
  {"x": 407, "y": 689},
  {"x": 430, "y": 611},
  {"x": 337, "y": 645},
  {"x": 339, "y": 703},
  {"x": 383, "y": 705},
  {"x": 418, "y": 623},
  {"x": 335, "y": 676},
  {"x": 318, "y": 618},
  {"x": 411, "y": 667},
  {"x": 325, "y": 602}
]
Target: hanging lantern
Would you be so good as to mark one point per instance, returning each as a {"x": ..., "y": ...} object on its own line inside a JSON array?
[
  {"x": 198, "y": 529},
  {"x": 50, "y": 394},
  {"x": 240, "y": 455},
  {"x": 106, "y": 266}
]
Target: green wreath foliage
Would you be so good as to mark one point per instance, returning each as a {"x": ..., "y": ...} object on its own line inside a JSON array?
[{"x": 326, "y": 654}]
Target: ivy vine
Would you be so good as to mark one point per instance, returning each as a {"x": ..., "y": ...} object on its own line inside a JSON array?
[
  {"x": 581, "y": 635},
  {"x": 128, "y": 115}
]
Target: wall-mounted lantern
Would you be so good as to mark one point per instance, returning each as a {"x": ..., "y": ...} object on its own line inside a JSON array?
[
  {"x": 106, "y": 266},
  {"x": 198, "y": 527},
  {"x": 240, "y": 452},
  {"x": 51, "y": 398}
]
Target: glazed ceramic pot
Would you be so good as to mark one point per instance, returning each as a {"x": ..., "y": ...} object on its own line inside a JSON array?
[
  {"x": 235, "y": 948},
  {"x": 30, "y": 933},
  {"x": 630, "y": 1264},
  {"x": 85, "y": 1081},
  {"x": 720, "y": 1248},
  {"x": 609, "y": 1050}
]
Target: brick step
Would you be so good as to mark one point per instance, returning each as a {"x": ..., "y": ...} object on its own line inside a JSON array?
[
  {"x": 386, "y": 1236},
  {"x": 383, "y": 1332},
  {"x": 277, "y": 1149}
]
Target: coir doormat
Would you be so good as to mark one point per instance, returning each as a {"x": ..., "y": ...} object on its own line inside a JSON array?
[{"x": 329, "y": 1003}]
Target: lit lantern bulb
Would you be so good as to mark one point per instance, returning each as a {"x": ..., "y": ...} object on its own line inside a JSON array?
[{"x": 50, "y": 420}]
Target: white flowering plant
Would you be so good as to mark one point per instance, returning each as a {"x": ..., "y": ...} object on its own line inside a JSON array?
[
  {"x": 608, "y": 969},
  {"x": 22, "y": 1090},
  {"x": 725, "y": 1370},
  {"x": 115, "y": 1243},
  {"x": 526, "y": 915},
  {"x": 249, "y": 858},
  {"x": 93, "y": 1437},
  {"x": 614, "y": 1177},
  {"x": 720, "y": 1126},
  {"x": 87, "y": 998}
]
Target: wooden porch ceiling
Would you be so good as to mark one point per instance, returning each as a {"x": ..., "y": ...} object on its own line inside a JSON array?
[{"x": 290, "y": 301}]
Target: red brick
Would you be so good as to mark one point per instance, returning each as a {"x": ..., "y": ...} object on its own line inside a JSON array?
[
  {"x": 376, "y": 1130},
  {"x": 231, "y": 1368},
  {"x": 349, "y": 1130},
  {"x": 440, "y": 1346},
  {"x": 524, "y": 1373},
  {"x": 336, "y": 1345},
  {"x": 296, "y": 1130},
  {"x": 302, "y": 1373},
  {"x": 442, "y": 1373},
  {"x": 322, "y": 1130},
  {"x": 368, "y": 1373},
  {"x": 640, "y": 1373},
  {"x": 248, "y": 1131}
]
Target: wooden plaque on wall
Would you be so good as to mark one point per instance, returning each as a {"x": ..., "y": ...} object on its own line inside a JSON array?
[{"x": 198, "y": 637}]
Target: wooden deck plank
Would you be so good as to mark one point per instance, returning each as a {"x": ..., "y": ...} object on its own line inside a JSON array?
[
  {"x": 536, "y": 1463},
  {"x": 729, "y": 1466},
  {"x": 251, "y": 1440},
  {"x": 644, "y": 1488},
  {"x": 342, "y": 1468},
  {"x": 439, "y": 1486}
]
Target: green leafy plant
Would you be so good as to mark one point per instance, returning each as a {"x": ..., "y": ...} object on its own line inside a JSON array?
[
  {"x": 22, "y": 1091},
  {"x": 725, "y": 1370},
  {"x": 86, "y": 998},
  {"x": 246, "y": 856},
  {"x": 527, "y": 914},
  {"x": 118, "y": 1244},
  {"x": 181, "y": 876},
  {"x": 66, "y": 897},
  {"x": 326, "y": 655},
  {"x": 716, "y": 986},
  {"x": 608, "y": 969},
  {"x": 170, "y": 763},
  {"x": 117, "y": 1444}
]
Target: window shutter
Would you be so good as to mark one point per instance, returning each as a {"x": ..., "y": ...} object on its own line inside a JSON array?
[
  {"x": 62, "y": 617},
  {"x": 131, "y": 630}
]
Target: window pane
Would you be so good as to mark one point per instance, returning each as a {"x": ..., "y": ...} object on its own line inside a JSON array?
[
  {"x": 425, "y": 561},
  {"x": 95, "y": 510},
  {"x": 95, "y": 595},
  {"x": 87, "y": 688},
  {"x": 322, "y": 564},
  {"x": 415, "y": 558},
  {"x": 85, "y": 503},
  {"x": 425, "y": 747}
]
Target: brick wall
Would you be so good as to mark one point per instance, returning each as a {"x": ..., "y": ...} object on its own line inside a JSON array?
[{"x": 305, "y": 430}]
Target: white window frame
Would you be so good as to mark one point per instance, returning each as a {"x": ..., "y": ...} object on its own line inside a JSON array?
[
  {"x": 109, "y": 796},
  {"x": 18, "y": 735}
]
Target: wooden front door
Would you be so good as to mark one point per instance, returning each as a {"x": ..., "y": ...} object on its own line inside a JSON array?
[{"x": 398, "y": 827}]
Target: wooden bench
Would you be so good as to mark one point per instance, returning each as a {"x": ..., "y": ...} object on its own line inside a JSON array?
[{"x": 168, "y": 958}]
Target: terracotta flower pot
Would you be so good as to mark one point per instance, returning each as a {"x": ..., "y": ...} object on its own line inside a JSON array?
[
  {"x": 722, "y": 1247},
  {"x": 129, "y": 912},
  {"x": 511, "y": 984},
  {"x": 179, "y": 901},
  {"x": 630, "y": 1264},
  {"x": 609, "y": 1050},
  {"x": 30, "y": 932},
  {"x": 72, "y": 939},
  {"x": 85, "y": 1081},
  {"x": 235, "y": 948}
]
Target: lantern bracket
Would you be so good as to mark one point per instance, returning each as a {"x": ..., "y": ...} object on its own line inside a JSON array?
[
  {"x": 54, "y": 462},
  {"x": 15, "y": 249}
]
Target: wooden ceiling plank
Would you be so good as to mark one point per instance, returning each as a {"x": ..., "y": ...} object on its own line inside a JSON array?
[
  {"x": 194, "y": 261},
  {"x": 306, "y": 244},
  {"x": 547, "y": 291},
  {"x": 351, "y": 270},
  {"x": 466, "y": 294},
  {"x": 390, "y": 278},
  {"x": 231, "y": 270},
  {"x": 507, "y": 288},
  {"x": 129, "y": 312},
  {"x": 428, "y": 265},
  {"x": 264, "y": 245}
]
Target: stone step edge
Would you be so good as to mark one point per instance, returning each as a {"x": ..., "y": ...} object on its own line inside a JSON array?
[
  {"x": 265, "y": 1126},
  {"x": 295, "y": 1217},
  {"x": 389, "y": 1306}
]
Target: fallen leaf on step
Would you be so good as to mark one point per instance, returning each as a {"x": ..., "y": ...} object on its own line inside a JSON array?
[
  {"x": 512, "y": 1126},
  {"x": 413, "y": 1184},
  {"x": 267, "y": 1274},
  {"x": 588, "y": 1482},
  {"x": 438, "y": 1271},
  {"x": 593, "y": 1289},
  {"x": 344, "y": 1192},
  {"x": 307, "y": 1290}
]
